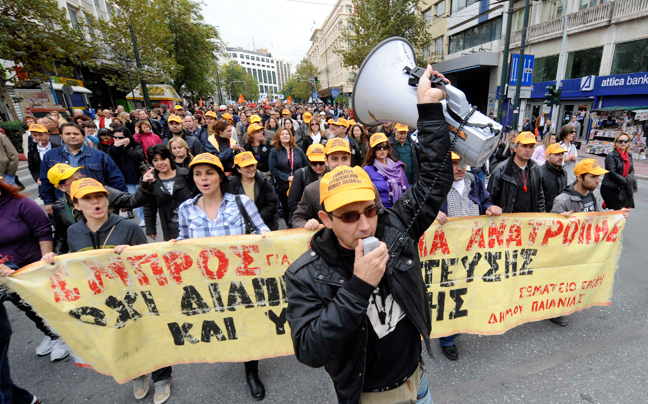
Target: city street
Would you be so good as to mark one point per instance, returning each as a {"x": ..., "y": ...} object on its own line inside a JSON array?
[{"x": 600, "y": 357}]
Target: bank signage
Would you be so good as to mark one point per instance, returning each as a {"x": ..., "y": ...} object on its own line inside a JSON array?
[{"x": 591, "y": 86}]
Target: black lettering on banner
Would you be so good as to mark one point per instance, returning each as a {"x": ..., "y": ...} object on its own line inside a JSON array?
[
  {"x": 278, "y": 321},
  {"x": 214, "y": 290},
  {"x": 97, "y": 315},
  {"x": 259, "y": 294},
  {"x": 181, "y": 334},
  {"x": 428, "y": 267},
  {"x": 510, "y": 263},
  {"x": 230, "y": 328},
  {"x": 209, "y": 329},
  {"x": 124, "y": 309},
  {"x": 273, "y": 292},
  {"x": 526, "y": 254},
  {"x": 470, "y": 267},
  {"x": 284, "y": 295},
  {"x": 440, "y": 306},
  {"x": 150, "y": 303},
  {"x": 446, "y": 263},
  {"x": 238, "y": 296},
  {"x": 456, "y": 294},
  {"x": 192, "y": 302},
  {"x": 491, "y": 275}
]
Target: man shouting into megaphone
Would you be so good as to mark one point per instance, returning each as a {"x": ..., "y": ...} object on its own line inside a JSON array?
[{"x": 362, "y": 314}]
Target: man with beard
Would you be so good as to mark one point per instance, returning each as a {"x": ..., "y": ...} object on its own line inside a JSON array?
[
  {"x": 554, "y": 177},
  {"x": 176, "y": 130}
]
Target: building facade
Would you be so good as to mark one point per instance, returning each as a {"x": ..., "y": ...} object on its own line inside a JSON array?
[
  {"x": 324, "y": 42},
  {"x": 261, "y": 64},
  {"x": 284, "y": 73},
  {"x": 435, "y": 13}
]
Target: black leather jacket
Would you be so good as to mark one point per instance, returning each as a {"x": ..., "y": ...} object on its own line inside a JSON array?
[
  {"x": 167, "y": 204},
  {"x": 503, "y": 188},
  {"x": 614, "y": 164},
  {"x": 327, "y": 309}
]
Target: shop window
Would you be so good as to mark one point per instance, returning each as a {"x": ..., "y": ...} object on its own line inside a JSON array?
[
  {"x": 630, "y": 57},
  {"x": 545, "y": 68},
  {"x": 583, "y": 63}
]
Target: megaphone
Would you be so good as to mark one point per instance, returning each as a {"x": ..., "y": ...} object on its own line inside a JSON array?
[{"x": 385, "y": 91}]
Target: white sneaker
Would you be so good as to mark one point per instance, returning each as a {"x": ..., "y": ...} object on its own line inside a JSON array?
[
  {"x": 142, "y": 223},
  {"x": 140, "y": 387},
  {"x": 45, "y": 347},
  {"x": 59, "y": 350},
  {"x": 162, "y": 391}
]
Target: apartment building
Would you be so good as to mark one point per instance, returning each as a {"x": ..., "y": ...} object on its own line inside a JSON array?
[
  {"x": 284, "y": 73},
  {"x": 435, "y": 14},
  {"x": 261, "y": 64}
]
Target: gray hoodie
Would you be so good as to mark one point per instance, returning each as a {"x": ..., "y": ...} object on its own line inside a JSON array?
[
  {"x": 571, "y": 200},
  {"x": 116, "y": 231}
]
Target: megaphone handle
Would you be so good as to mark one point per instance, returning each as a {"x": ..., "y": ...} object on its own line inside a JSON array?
[{"x": 416, "y": 74}]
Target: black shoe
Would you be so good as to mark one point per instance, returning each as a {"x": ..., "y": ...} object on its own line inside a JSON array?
[
  {"x": 131, "y": 215},
  {"x": 561, "y": 321},
  {"x": 450, "y": 352},
  {"x": 256, "y": 387}
]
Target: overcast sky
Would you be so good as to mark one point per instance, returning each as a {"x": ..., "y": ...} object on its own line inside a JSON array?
[{"x": 284, "y": 27}]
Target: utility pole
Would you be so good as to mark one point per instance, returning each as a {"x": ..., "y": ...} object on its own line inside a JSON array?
[
  {"x": 145, "y": 94},
  {"x": 561, "y": 61},
  {"x": 507, "y": 44},
  {"x": 518, "y": 84},
  {"x": 220, "y": 93}
]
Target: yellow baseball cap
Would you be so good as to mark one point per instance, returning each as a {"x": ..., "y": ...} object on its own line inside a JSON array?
[
  {"x": 316, "y": 152},
  {"x": 307, "y": 117},
  {"x": 34, "y": 127},
  {"x": 211, "y": 114},
  {"x": 244, "y": 159},
  {"x": 455, "y": 156},
  {"x": 589, "y": 166},
  {"x": 207, "y": 158},
  {"x": 351, "y": 122},
  {"x": 255, "y": 119},
  {"x": 227, "y": 116},
  {"x": 401, "y": 127},
  {"x": 174, "y": 118},
  {"x": 330, "y": 122},
  {"x": 377, "y": 138},
  {"x": 337, "y": 144},
  {"x": 555, "y": 149},
  {"x": 285, "y": 112},
  {"x": 345, "y": 185},
  {"x": 341, "y": 122},
  {"x": 254, "y": 127},
  {"x": 60, "y": 172},
  {"x": 526, "y": 138},
  {"x": 178, "y": 107},
  {"x": 85, "y": 186}
]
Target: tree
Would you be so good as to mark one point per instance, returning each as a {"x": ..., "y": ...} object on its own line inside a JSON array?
[
  {"x": 38, "y": 38},
  {"x": 303, "y": 89},
  {"x": 235, "y": 80},
  {"x": 376, "y": 20}
]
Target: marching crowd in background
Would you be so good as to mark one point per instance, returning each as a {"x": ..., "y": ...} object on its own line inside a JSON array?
[{"x": 253, "y": 168}]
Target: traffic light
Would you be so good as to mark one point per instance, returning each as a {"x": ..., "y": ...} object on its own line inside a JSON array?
[
  {"x": 298, "y": 80},
  {"x": 553, "y": 96},
  {"x": 557, "y": 96},
  {"x": 317, "y": 81}
]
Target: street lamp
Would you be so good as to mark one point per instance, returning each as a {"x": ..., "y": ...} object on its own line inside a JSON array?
[
  {"x": 561, "y": 60},
  {"x": 230, "y": 88},
  {"x": 127, "y": 65}
]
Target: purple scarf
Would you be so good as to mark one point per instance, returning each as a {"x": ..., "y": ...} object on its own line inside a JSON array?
[{"x": 394, "y": 174}]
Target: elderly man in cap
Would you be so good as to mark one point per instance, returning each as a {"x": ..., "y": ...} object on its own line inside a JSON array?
[
  {"x": 340, "y": 128},
  {"x": 405, "y": 149},
  {"x": 516, "y": 184},
  {"x": 554, "y": 177},
  {"x": 362, "y": 314},
  {"x": 41, "y": 145}
]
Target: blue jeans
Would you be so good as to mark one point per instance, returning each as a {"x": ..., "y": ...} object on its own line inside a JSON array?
[
  {"x": 132, "y": 188},
  {"x": 447, "y": 341},
  {"x": 424, "y": 395},
  {"x": 11, "y": 179}
]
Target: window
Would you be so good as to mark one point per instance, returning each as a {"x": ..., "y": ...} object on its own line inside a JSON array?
[
  {"x": 108, "y": 8},
  {"x": 438, "y": 47},
  {"x": 255, "y": 73},
  {"x": 550, "y": 10},
  {"x": 458, "y": 5},
  {"x": 440, "y": 8},
  {"x": 518, "y": 19},
  {"x": 247, "y": 57},
  {"x": 258, "y": 59},
  {"x": 73, "y": 17},
  {"x": 234, "y": 55},
  {"x": 349, "y": 9},
  {"x": 427, "y": 15},
  {"x": 97, "y": 4},
  {"x": 265, "y": 76},
  {"x": 630, "y": 57},
  {"x": 590, "y": 3},
  {"x": 545, "y": 68},
  {"x": 487, "y": 31},
  {"x": 248, "y": 70},
  {"x": 89, "y": 24},
  {"x": 274, "y": 78},
  {"x": 583, "y": 63},
  {"x": 425, "y": 53}
]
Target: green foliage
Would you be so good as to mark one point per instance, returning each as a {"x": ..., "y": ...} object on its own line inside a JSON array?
[
  {"x": 303, "y": 90},
  {"x": 376, "y": 20},
  {"x": 15, "y": 130},
  {"x": 231, "y": 75},
  {"x": 342, "y": 100},
  {"x": 289, "y": 87}
]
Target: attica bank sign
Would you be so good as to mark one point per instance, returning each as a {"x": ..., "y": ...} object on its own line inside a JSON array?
[{"x": 597, "y": 86}]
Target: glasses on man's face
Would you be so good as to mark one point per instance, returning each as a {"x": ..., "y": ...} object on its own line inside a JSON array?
[
  {"x": 382, "y": 146},
  {"x": 623, "y": 141},
  {"x": 317, "y": 163},
  {"x": 352, "y": 217}
]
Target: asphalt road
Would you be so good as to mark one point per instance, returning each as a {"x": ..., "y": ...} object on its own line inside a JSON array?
[{"x": 600, "y": 357}]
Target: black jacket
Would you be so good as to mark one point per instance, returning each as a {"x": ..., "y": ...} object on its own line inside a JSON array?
[
  {"x": 554, "y": 180},
  {"x": 309, "y": 141},
  {"x": 64, "y": 212},
  {"x": 614, "y": 164},
  {"x": 166, "y": 203},
  {"x": 265, "y": 198},
  {"x": 128, "y": 159},
  {"x": 34, "y": 160},
  {"x": 302, "y": 178},
  {"x": 262, "y": 155},
  {"x": 416, "y": 154},
  {"x": 327, "y": 309},
  {"x": 195, "y": 147},
  {"x": 357, "y": 158},
  {"x": 503, "y": 188}
]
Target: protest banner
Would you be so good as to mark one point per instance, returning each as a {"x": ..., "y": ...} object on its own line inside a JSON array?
[{"x": 223, "y": 299}]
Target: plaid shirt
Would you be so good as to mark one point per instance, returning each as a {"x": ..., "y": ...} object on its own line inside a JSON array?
[
  {"x": 194, "y": 223},
  {"x": 461, "y": 205}
]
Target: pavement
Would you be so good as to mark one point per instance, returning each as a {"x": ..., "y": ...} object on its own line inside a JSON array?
[{"x": 601, "y": 357}]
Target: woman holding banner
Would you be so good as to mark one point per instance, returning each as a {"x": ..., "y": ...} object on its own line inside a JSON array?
[
  {"x": 100, "y": 229},
  {"x": 218, "y": 212}
]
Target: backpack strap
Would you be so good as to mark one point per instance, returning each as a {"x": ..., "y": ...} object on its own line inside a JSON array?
[{"x": 249, "y": 227}]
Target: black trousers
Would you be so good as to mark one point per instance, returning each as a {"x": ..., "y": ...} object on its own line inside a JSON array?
[{"x": 9, "y": 392}]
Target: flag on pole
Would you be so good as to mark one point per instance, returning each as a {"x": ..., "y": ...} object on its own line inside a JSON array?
[
  {"x": 201, "y": 103},
  {"x": 289, "y": 100},
  {"x": 241, "y": 100}
]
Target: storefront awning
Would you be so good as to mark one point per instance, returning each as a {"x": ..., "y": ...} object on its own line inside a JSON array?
[
  {"x": 469, "y": 61},
  {"x": 156, "y": 92},
  {"x": 77, "y": 89},
  {"x": 619, "y": 108}
]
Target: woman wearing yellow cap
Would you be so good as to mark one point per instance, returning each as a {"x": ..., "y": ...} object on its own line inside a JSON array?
[
  {"x": 314, "y": 135},
  {"x": 223, "y": 144},
  {"x": 216, "y": 211},
  {"x": 387, "y": 174},
  {"x": 258, "y": 145}
]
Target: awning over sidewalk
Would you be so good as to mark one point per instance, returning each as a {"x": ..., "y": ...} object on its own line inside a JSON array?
[{"x": 620, "y": 108}]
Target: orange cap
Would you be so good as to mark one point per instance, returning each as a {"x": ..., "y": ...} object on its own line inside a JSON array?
[
  {"x": 207, "y": 158},
  {"x": 377, "y": 138},
  {"x": 589, "y": 166},
  {"x": 345, "y": 185}
]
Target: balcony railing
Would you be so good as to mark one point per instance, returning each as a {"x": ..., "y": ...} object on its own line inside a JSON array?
[{"x": 586, "y": 19}]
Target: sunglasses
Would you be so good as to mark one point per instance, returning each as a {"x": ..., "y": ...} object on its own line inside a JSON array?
[
  {"x": 382, "y": 146},
  {"x": 118, "y": 137},
  {"x": 623, "y": 141},
  {"x": 352, "y": 217},
  {"x": 317, "y": 163},
  {"x": 573, "y": 131}
]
